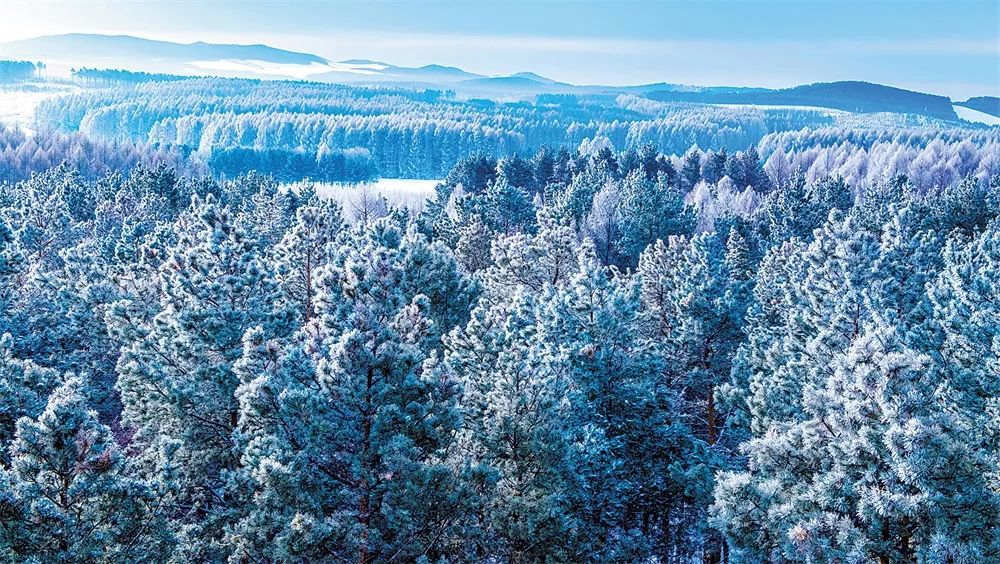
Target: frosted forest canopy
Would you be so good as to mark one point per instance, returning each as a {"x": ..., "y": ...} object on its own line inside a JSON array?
[
  {"x": 326, "y": 132},
  {"x": 622, "y": 330}
]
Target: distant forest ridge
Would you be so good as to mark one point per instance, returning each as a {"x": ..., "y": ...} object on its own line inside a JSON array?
[
  {"x": 986, "y": 104},
  {"x": 334, "y": 132},
  {"x": 852, "y": 96}
]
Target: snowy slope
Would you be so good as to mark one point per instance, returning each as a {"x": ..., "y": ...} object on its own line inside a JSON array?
[{"x": 976, "y": 116}]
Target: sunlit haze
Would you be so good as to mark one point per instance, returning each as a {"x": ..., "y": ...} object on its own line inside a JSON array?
[{"x": 947, "y": 48}]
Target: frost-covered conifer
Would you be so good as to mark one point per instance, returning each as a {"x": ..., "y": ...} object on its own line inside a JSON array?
[
  {"x": 66, "y": 495},
  {"x": 506, "y": 208},
  {"x": 637, "y": 462},
  {"x": 713, "y": 168},
  {"x": 689, "y": 311},
  {"x": 690, "y": 173},
  {"x": 10, "y": 266},
  {"x": 908, "y": 259},
  {"x": 304, "y": 250},
  {"x": 430, "y": 269},
  {"x": 265, "y": 210},
  {"x": 176, "y": 370},
  {"x": 524, "y": 262},
  {"x": 341, "y": 429},
  {"x": 823, "y": 307},
  {"x": 880, "y": 468},
  {"x": 472, "y": 251},
  {"x": 514, "y": 436},
  {"x": 24, "y": 389},
  {"x": 650, "y": 210}
]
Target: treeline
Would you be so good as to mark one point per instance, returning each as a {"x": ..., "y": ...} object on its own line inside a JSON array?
[
  {"x": 853, "y": 96},
  {"x": 423, "y": 134},
  {"x": 935, "y": 164},
  {"x": 113, "y": 77},
  {"x": 348, "y": 165},
  {"x": 564, "y": 357},
  {"x": 17, "y": 71},
  {"x": 409, "y": 133},
  {"x": 23, "y": 154}
]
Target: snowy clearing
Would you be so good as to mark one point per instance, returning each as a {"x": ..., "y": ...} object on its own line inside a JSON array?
[
  {"x": 976, "y": 116},
  {"x": 408, "y": 193},
  {"x": 18, "y": 103}
]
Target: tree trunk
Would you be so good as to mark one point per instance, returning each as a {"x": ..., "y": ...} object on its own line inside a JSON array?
[
  {"x": 367, "y": 469},
  {"x": 309, "y": 300},
  {"x": 711, "y": 417},
  {"x": 363, "y": 556}
]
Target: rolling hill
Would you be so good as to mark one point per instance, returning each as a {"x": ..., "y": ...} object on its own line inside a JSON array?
[
  {"x": 851, "y": 96},
  {"x": 985, "y": 104},
  {"x": 265, "y": 62},
  {"x": 79, "y": 47}
]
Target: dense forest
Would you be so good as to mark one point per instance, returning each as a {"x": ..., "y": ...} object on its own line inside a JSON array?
[
  {"x": 323, "y": 132},
  {"x": 409, "y": 133},
  {"x": 22, "y": 154},
  {"x": 852, "y": 96},
  {"x": 18, "y": 71},
  {"x": 778, "y": 347}
]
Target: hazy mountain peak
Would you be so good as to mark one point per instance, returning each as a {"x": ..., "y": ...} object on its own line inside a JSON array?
[
  {"x": 262, "y": 61},
  {"x": 363, "y": 62},
  {"x": 534, "y": 76},
  {"x": 129, "y": 52}
]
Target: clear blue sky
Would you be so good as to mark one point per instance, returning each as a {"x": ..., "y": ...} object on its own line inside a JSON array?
[{"x": 949, "y": 47}]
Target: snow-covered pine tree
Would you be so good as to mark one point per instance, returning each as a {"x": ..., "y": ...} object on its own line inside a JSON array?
[
  {"x": 514, "y": 437},
  {"x": 24, "y": 389},
  {"x": 966, "y": 314},
  {"x": 650, "y": 210},
  {"x": 11, "y": 264},
  {"x": 345, "y": 433},
  {"x": 687, "y": 310},
  {"x": 503, "y": 208},
  {"x": 879, "y": 468},
  {"x": 525, "y": 262},
  {"x": 304, "y": 250},
  {"x": 690, "y": 173},
  {"x": 66, "y": 495},
  {"x": 430, "y": 269},
  {"x": 176, "y": 371},
  {"x": 638, "y": 465},
  {"x": 821, "y": 296},
  {"x": 472, "y": 251},
  {"x": 908, "y": 259}
]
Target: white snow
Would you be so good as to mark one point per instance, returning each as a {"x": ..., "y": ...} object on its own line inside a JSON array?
[
  {"x": 17, "y": 104},
  {"x": 976, "y": 116},
  {"x": 409, "y": 193}
]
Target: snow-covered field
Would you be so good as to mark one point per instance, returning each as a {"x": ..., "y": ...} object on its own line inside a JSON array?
[
  {"x": 408, "y": 193},
  {"x": 976, "y": 116},
  {"x": 17, "y": 104}
]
